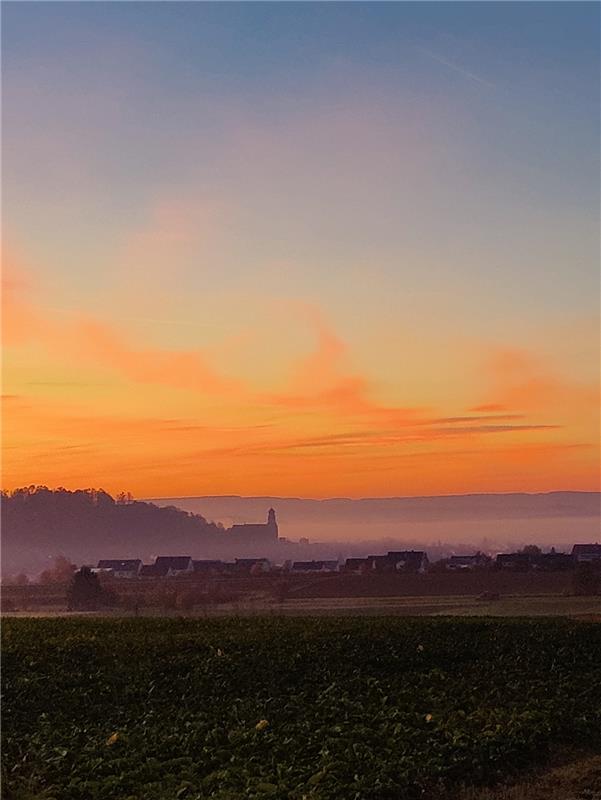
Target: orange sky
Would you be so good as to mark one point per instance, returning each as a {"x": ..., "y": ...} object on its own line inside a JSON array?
[
  {"x": 319, "y": 250},
  {"x": 87, "y": 403}
]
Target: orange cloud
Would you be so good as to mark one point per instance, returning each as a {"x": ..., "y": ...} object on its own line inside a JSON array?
[
  {"x": 88, "y": 340},
  {"x": 521, "y": 381},
  {"x": 322, "y": 381},
  {"x": 492, "y": 407},
  {"x": 180, "y": 370}
]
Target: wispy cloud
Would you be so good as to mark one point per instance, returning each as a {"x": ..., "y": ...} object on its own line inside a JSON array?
[
  {"x": 521, "y": 380},
  {"x": 456, "y": 68}
]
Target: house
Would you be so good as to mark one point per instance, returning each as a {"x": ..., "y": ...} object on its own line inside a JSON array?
[
  {"x": 315, "y": 566},
  {"x": 586, "y": 552},
  {"x": 120, "y": 568},
  {"x": 458, "y": 563},
  {"x": 149, "y": 571},
  {"x": 356, "y": 565},
  {"x": 253, "y": 565},
  {"x": 408, "y": 560},
  {"x": 379, "y": 563},
  {"x": 552, "y": 562},
  {"x": 304, "y": 566},
  {"x": 399, "y": 561},
  {"x": 170, "y": 566},
  {"x": 514, "y": 562},
  {"x": 207, "y": 567}
]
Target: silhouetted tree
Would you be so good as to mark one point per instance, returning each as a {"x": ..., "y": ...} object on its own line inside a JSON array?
[
  {"x": 124, "y": 499},
  {"x": 61, "y": 571},
  {"x": 85, "y": 593},
  {"x": 531, "y": 550}
]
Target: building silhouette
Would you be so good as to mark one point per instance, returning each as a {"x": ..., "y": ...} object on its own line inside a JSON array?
[{"x": 263, "y": 533}]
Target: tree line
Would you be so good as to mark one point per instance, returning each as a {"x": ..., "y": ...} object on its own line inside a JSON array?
[{"x": 89, "y": 524}]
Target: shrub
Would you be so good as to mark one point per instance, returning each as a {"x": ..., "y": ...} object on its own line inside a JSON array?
[
  {"x": 85, "y": 593},
  {"x": 586, "y": 579},
  {"x": 61, "y": 571}
]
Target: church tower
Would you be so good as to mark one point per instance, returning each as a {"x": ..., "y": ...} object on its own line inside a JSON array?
[{"x": 271, "y": 523}]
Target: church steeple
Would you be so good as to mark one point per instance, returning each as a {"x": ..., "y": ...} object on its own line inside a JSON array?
[{"x": 271, "y": 522}]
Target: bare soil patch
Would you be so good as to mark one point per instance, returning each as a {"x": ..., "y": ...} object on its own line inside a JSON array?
[{"x": 579, "y": 780}]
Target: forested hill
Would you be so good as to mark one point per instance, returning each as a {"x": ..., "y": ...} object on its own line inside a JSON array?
[{"x": 38, "y": 523}]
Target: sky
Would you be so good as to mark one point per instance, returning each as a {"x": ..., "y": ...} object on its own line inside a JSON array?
[{"x": 306, "y": 249}]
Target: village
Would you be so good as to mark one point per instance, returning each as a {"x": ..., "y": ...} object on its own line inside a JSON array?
[
  {"x": 401, "y": 561},
  {"x": 265, "y": 536},
  {"x": 258, "y": 573}
]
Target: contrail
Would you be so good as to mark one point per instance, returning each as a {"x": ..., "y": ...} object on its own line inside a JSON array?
[{"x": 456, "y": 68}]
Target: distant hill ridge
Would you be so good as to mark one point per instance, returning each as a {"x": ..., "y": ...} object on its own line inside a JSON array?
[
  {"x": 488, "y": 521},
  {"x": 499, "y": 506}
]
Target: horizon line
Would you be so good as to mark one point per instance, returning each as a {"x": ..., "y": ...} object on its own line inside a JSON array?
[{"x": 372, "y": 497}]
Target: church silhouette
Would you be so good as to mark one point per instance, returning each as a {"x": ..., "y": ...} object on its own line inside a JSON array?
[{"x": 262, "y": 533}]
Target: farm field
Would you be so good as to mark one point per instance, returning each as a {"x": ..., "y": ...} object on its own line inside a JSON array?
[
  {"x": 429, "y": 605},
  {"x": 376, "y": 709},
  {"x": 509, "y": 606}
]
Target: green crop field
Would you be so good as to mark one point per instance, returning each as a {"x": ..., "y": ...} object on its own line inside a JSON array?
[{"x": 381, "y": 708}]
